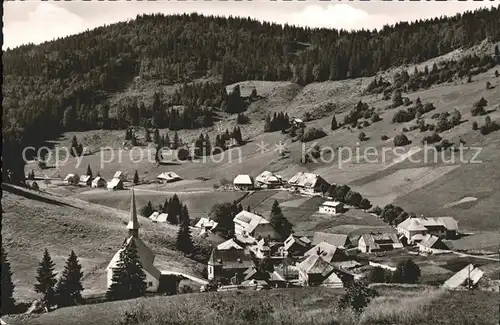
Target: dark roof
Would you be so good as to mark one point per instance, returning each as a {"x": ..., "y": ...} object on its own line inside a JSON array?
[
  {"x": 231, "y": 259},
  {"x": 339, "y": 240}
]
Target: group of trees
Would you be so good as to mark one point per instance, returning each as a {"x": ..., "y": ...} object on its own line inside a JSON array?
[
  {"x": 344, "y": 193},
  {"x": 223, "y": 214},
  {"x": 392, "y": 214},
  {"x": 278, "y": 122},
  {"x": 489, "y": 126},
  {"x": 76, "y": 148},
  {"x": 64, "y": 291},
  {"x": 406, "y": 115},
  {"x": 177, "y": 212},
  {"x": 279, "y": 222},
  {"x": 360, "y": 111}
]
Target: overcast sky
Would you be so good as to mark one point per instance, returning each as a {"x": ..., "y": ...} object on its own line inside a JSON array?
[{"x": 36, "y": 22}]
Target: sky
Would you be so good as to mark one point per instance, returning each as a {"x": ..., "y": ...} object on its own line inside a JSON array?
[{"x": 36, "y": 22}]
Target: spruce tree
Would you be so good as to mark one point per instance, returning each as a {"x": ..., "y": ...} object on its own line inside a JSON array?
[
  {"x": 156, "y": 136},
  {"x": 69, "y": 288},
  {"x": 184, "y": 242},
  {"x": 136, "y": 177},
  {"x": 147, "y": 210},
  {"x": 7, "y": 288},
  {"x": 175, "y": 143},
  {"x": 334, "y": 125},
  {"x": 279, "y": 222},
  {"x": 166, "y": 142},
  {"x": 89, "y": 171},
  {"x": 128, "y": 279},
  {"x": 174, "y": 210},
  {"x": 46, "y": 279},
  {"x": 147, "y": 136}
]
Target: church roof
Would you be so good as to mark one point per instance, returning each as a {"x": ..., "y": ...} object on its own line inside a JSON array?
[
  {"x": 145, "y": 254},
  {"x": 133, "y": 222}
]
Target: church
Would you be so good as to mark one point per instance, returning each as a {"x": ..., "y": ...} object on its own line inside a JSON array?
[{"x": 146, "y": 255}]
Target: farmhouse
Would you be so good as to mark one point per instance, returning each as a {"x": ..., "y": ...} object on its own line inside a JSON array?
[
  {"x": 71, "y": 179},
  {"x": 243, "y": 182},
  {"x": 146, "y": 256},
  {"x": 261, "y": 250},
  {"x": 229, "y": 245},
  {"x": 158, "y": 217},
  {"x": 339, "y": 240},
  {"x": 228, "y": 263},
  {"x": 120, "y": 175},
  {"x": 249, "y": 224},
  {"x": 327, "y": 252},
  {"x": 443, "y": 227},
  {"x": 268, "y": 179},
  {"x": 296, "y": 246},
  {"x": 307, "y": 183},
  {"x": 85, "y": 180},
  {"x": 460, "y": 278},
  {"x": 331, "y": 207},
  {"x": 98, "y": 182},
  {"x": 168, "y": 177},
  {"x": 432, "y": 244},
  {"x": 115, "y": 184},
  {"x": 205, "y": 225},
  {"x": 377, "y": 242}
]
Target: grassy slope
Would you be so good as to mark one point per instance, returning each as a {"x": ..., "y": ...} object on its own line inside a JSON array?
[
  {"x": 396, "y": 305},
  {"x": 33, "y": 221}
]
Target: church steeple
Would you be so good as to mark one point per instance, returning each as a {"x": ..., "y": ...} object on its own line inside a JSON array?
[{"x": 133, "y": 224}]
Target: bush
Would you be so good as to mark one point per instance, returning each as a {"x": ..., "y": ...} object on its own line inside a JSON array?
[
  {"x": 242, "y": 119},
  {"x": 312, "y": 134},
  {"x": 488, "y": 85},
  {"x": 362, "y": 136},
  {"x": 475, "y": 126},
  {"x": 402, "y": 116},
  {"x": 401, "y": 140},
  {"x": 357, "y": 296},
  {"x": 496, "y": 73},
  {"x": 375, "y": 117},
  {"x": 478, "y": 108},
  {"x": 406, "y": 272},
  {"x": 384, "y": 137},
  {"x": 377, "y": 210},
  {"x": 405, "y": 130},
  {"x": 435, "y": 137}
]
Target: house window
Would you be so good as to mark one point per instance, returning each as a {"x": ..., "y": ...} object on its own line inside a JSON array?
[{"x": 150, "y": 284}]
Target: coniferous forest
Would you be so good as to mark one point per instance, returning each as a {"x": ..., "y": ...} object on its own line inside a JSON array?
[{"x": 64, "y": 84}]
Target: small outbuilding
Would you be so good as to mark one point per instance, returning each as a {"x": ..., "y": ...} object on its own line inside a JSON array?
[
  {"x": 85, "y": 180},
  {"x": 331, "y": 207},
  {"x": 98, "y": 182},
  {"x": 115, "y": 184},
  {"x": 168, "y": 177},
  {"x": 71, "y": 179},
  {"x": 120, "y": 175}
]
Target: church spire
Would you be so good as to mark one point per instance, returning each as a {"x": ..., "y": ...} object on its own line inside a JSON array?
[{"x": 133, "y": 224}]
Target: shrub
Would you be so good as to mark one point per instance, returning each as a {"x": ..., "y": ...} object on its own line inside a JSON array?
[
  {"x": 401, "y": 140},
  {"x": 397, "y": 98},
  {"x": 475, "y": 126},
  {"x": 377, "y": 210},
  {"x": 312, "y": 134},
  {"x": 375, "y": 117},
  {"x": 435, "y": 137},
  {"x": 384, "y": 137},
  {"x": 406, "y": 101},
  {"x": 34, "y": 186},
  {"x": 362, "y": 136},
  {"x": 357, "y": 296},
  {"x": 478, "y": 108},
  {"x": 407, "y": 272},
  {"x": 496, "y": 73},
  {"x": 405, "y": 130},
  {"x": 402, "y": 116},
  {"x": 488, "y": 85},
  {"x": 242, "y": 118}
]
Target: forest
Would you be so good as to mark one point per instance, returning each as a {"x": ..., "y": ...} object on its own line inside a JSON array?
[{"x": 66, "y": 83}]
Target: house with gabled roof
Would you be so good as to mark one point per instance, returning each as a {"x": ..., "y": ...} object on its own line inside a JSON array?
[
  {"x": 268, "y": 179},
  {"x": 206, "y": 225},
  {"x": 85, "y": 180},
  {"x": 432, "y": 244},
  {"x": 296, "y": 246},
  {"x": 158, "y": 217},
  {"x": 331, "y": 207},
  {"x": 169, "y": 177},
  {"x": 98, "y": 182},
  {"x": 261, "y": 249},
  {"x": 71, "y": 179},
  {"x": 307, "y": 183},
  {"x": 378, "y": 242},
  {"x": 315, "y": 271},
  {"x": 228, "y": 263},
  {"x": 229, "y": 245},
  {"x": 443, "y": 227},
  {"x": 243, "y": 182},
  {"x": 144, "y": 253},
  {"x": 250, "y": 224},
  {"x": 120, "y": 175},
  {"x": 115, "y": 184},
  {"x": 339, "y": 240},
  {"x": 329, "y": 253},
  {"x": 459, "y": 279}
]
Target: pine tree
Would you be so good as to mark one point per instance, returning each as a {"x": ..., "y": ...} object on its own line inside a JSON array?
[
  {"x": 136, "y": 177},
  {"x": 156, "y": 136},
  {"x": 334, "y": 125},
  {"x": 279, "y": 222},
  {"x": 166, "y": 142},
  {"x": 174, "y": 210},
  {"x": 147, "y": 210},
  {"x": 208, "y": 146},
  {"x": 89, "y": 171},
  {"x": 147, "y": 136},
  {"x": 128, "y": 279},
  {"x": 69, "y": 288},
  {"x": 184, "y": 242},
  {"x": 46, "y": 279},
  {"x": 175, "y": 143},
  {"x": 7, "y": 288}
]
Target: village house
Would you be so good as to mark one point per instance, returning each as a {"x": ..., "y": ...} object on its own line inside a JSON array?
[
  {"x": 314, "y": 271},
  {"x": 158, "y": 217},
  {"x": 98, "y": 182},
  {"x": 297, "y": 122},
  {"x": 247, "y": 224},
  {"x": 378, "y": 242},
  {"x": 327, "y": 252},
  {"x": 331, "y": 207},
  {"x": 120, "y": 175},
  {"x": 296, "y": 246},
  {"x": 85, "y": 180},
  {"x": 261, "y": 249},
  {"x": 71, "y": 179},
  {"x": 243, "y": 182},
  {"x": 414, "y": 229},
  {"x": 459, "y": 279},
  {"x": 339, "y": 240},
  {"x": 115, "y": 184},
  {"x": 268, "y": 179},
  {"x": 168, "y": 177},
  {"x": 308, "y": 183},
  {"x": 229, "y": 245},
  {"x": 206, "y": 225},
  {"x": 228, "y": 263},
  {"x": 432, "y": 244},
  {"x": 145, "y": 254},
  {"x": 274, "y": 279}
]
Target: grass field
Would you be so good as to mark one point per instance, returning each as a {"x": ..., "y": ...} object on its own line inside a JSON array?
[
  {"x": 395, "y": 305},
  {"x": 33, "y": 221}
]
